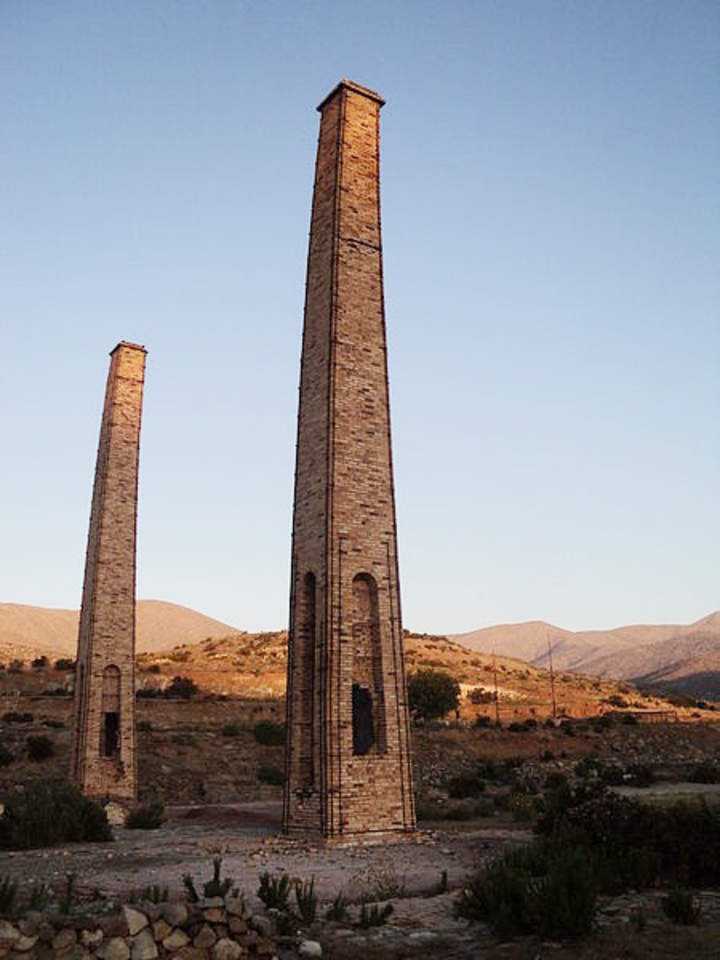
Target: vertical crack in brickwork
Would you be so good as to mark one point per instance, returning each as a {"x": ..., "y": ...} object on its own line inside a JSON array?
[
  {"x": 348, "y": 722},
  {"x": 104, "y": 759}
]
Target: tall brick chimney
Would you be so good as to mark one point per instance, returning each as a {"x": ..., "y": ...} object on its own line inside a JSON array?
[
  {"x": 348, "y": 763},
  {"x": 104, "y": 760}
]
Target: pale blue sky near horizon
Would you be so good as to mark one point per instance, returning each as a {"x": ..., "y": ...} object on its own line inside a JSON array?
[{"x": 550, "y": 198}]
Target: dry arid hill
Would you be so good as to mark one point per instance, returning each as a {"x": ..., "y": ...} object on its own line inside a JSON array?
[
  {"x": 253, "y": 665},
  {"x": 27, "y": 631},
  {"x": 682, "y": 657}
]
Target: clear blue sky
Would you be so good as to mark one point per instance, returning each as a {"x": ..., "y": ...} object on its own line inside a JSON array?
[{"x": 551, "y": 194}]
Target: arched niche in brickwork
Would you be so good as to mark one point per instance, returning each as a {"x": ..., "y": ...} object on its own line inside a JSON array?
[
  {"x": 110, "y": 727},
  {"x": 368, "y": 698},
  {"x": 307, "y": 661}
]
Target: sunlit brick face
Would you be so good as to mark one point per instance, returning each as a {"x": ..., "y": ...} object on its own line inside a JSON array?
[
  {"x": 348, "y": 760},
  {"x": 104, "y": 761}
]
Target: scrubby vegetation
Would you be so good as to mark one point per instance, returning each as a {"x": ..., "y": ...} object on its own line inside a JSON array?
[
  {"x": 48, "y": 812},
  {"x": 148, "y": 816},
  {"x": 594, "y": 842},
  {"x": 40, "y": 748},
  {"x": 269, "y": 733}
]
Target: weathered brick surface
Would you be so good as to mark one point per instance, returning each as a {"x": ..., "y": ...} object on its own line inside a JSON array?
[
  {"x": 105, "y": 672},
  {"x": 345, "y": 623}
]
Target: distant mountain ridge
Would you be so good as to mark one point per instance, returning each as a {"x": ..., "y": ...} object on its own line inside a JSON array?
[
  {"x": 685, "y": 657},
  {"x": 680, "y": 657},
  {"x": 27, "y": 631}
]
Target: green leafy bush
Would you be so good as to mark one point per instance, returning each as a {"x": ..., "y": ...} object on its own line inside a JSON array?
[
  {"x": 40, "y": 748},
  {"x": 231, "y": 730},
  {"x": 269, "y": 733},
  {"x": 144, "y": 726},
  {"x": 147, "y": 816},
  {"x": 432, "y": 693},
  {"x": 48, "y": 812}
]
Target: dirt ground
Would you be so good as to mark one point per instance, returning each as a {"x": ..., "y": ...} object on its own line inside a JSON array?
[{"x": 406, "y": 873}]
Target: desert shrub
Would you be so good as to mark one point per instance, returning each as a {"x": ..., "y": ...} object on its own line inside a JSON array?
[
  {"x": 465, "y": 785},
  {"x": 54, "y": 724},
  {"x": 274, "y": 891},
  {"x": 16, "y": 666},
  {"x": 705, "y": 772},
  {"x": 8, "y": 892},
  {"x": 633, "y": 844},
  {"x": 680, "y": 906},
  {"x": 12, "y": 716},
  {"x": 516, "y": 727},
  {"x": 432, "y": 693},
  {"x": 271, "y": 775},
  {"x": 269, "y": 733},
  {"x": 144, "y": 726},
  {"x": 40, "y": 748},
  {"x": 587, "y": 767},
  {"x": 524, "y": 806},
  {"x": 147, "y": 816},
  {"x": 612, "y": 775},
  {"x": 6, "y": 756},
  {"x": 231, "y": 730},
  {"x": 217, "y": 887},
  {"x": 39, "y": 663},
  {"x": 629, "y": 720},
  {"x": 181, "y": 687},
  {"x": 640, "y": 775},
  {"x": 374, "y": 915},
  {"x": 307, "y": 900},
  {"x": 563, "y": 902},
  {"x": 338, "y": 910},
  {"x": 547, "y": 756},
  {"x": 603, "y": 722},
  {"x": 150, "y": 692},
  {"x": 48, "y": 812},
  {"x": 155, "y": 894},
  {"x": 38, "y": 896},
  {"x": 481, "y": 722},
  {"x": 467, "y": 809},
  {"x": 533, "y": 890},
  {"x": 64, "y": 664},
  {"x": 180, "y": 656}
]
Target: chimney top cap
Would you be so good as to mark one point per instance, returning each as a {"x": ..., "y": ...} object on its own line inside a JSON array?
[
  {"x": 127, "y": 343},
  {"x": 356, "y": 88}
]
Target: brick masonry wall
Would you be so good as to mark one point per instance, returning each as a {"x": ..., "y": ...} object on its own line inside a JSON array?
[
  {"x": 105, "y": 672},
  {"x": 345, "y": 617}
]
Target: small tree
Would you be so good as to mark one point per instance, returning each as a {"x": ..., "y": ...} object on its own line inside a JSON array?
[
  {"x": 432, "y": 693},
  {"x": 182, "y": 687}
]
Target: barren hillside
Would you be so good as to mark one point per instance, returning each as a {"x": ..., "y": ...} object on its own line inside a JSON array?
[{"x": 27, "y": 631}]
